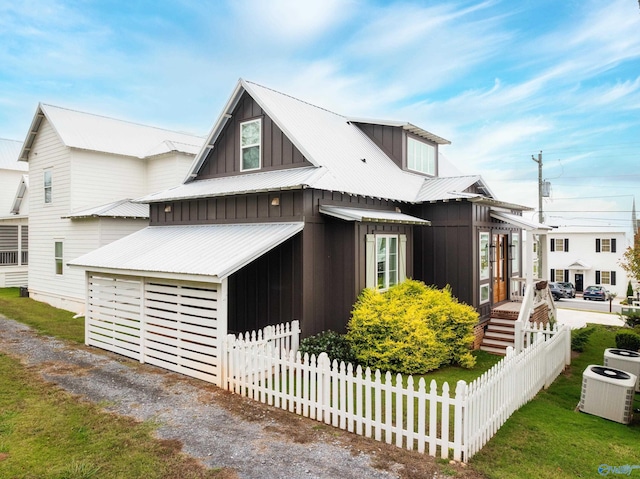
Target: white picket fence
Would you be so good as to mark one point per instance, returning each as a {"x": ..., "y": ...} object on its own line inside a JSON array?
[{"x": 391, "y": 408}]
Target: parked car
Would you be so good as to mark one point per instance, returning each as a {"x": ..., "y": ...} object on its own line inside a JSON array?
[
  {"x": 599, "y": 293},
  {"x": 557, "y": 291},
  {"x": 569, "y": 288}
]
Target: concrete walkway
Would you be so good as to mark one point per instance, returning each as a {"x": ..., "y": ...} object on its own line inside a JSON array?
[{"x": 579, "y": 319}]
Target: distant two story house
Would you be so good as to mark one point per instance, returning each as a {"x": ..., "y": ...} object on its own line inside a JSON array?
[
  {"x": 589, "y": 256},
  {"x": 289, "y": 211},
  {"x": 84, "y": 169},
  {"x": 14, "y": 216}
]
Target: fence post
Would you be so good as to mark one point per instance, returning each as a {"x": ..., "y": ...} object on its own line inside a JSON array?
[
  {"x": 295, "y": 335},
  {"x": 519, "y": 340},
  {"x": 459, "y": 420}
]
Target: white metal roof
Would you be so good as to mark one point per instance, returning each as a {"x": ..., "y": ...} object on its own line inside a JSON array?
[
  {"x": 9, "y": 153},
  {"x": 294, "y": 178},
  {"x": 374, "y": 216},
  {"x": 99, "y": 133},
  {"x": 214, "y": 251},
  {"x": 449, "y": 188},
  {"x": 118, "y": 209},
  {"x": 520, "y": 222}
]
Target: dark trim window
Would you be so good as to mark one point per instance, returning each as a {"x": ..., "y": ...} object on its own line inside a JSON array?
[
  {"x": 250, "y": 144},
  {"x": 560, "y": 245},
  {"x": 48, "y": 186},
  {"x": 605, "y": 245},
  {"x": 421, "y": 156},
  {"x": 606, "y": 277}
]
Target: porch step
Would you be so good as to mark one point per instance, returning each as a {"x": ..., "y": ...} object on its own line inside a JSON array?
[
  {"x": 489, "y": 334},
  {"x": 494, "y": 350},
  {"x": 497, "y": 343},
  {"x": 508, "y": 323},
  {"x": 498, "y": 328}
]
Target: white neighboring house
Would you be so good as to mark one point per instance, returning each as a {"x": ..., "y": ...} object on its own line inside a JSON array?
[
  {"x": 589, "y": 257},
  {"x": 83, "y": 170},
  {"x": 14, "y": 215}
]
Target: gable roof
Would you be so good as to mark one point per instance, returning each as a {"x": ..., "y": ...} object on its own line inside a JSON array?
[
  {"x": 9, "y": 153},
  {"x": 91, "y": 132},
  {"x": 23, "y": 188}
]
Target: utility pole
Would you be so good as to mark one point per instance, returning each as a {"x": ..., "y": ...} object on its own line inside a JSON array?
[{"x": 539, "y": 161}]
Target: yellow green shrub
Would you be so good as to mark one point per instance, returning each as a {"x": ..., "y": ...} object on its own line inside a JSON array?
[{"x": 411, "y": 329}]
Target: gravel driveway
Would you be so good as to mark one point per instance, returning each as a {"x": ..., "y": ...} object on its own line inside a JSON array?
[{"x": 214, "y": 426}]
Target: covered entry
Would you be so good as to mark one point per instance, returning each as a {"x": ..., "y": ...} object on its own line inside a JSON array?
[{"x": 160, "y": 294}]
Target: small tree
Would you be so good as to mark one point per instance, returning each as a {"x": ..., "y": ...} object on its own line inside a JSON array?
[{"x": 631, "y": 259}]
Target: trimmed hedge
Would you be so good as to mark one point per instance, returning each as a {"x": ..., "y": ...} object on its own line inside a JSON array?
[
  {"x": 628, "y": 340},
  {"x": 411, "y": 329},
  {"x": 334, "y": 344}
]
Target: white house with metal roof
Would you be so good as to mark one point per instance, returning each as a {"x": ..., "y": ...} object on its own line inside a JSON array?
[
  {"x": 14, "y": 214},
  {"x": 84, "y": 169}
]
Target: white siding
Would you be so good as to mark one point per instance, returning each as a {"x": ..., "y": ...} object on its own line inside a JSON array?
[
  {"x": 167, "y": 171},
  {"x": 14, "y": 275},
  {"x": 9, "y": 182}
]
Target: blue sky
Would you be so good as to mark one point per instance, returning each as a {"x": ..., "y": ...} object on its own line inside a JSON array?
[{"x": 501, "y": 80}]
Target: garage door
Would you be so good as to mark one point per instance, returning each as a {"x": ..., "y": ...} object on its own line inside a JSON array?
[{"x": 174, "y": 325}]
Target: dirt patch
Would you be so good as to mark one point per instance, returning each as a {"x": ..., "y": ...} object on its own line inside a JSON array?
[{"x": 59, "y": 368}]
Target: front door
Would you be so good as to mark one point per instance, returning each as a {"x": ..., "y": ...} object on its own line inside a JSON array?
[
  {"x": 500, "y": 270},
  {"x": 579, "y": 282}
]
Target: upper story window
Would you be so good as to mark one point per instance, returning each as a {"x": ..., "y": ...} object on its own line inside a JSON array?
[
  {"x": 421, "y": 157},
  {"x": 560, "y": 244},
  {"x": 605, "y": 245},
  {"x": 250, "y": 144},
  {"x": 48, "y": 183}
]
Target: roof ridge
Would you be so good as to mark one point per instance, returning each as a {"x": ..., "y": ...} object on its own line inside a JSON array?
[
  {"x": 130, "y": 122},
  {"x": 296, "y": 99}
]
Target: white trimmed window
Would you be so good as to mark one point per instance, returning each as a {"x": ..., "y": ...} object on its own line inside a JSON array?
[
  {"x": 58, "y": 257},
  {"x": 48, "y": 184},
  {"x": 421, "y": 157},
  {"x": 250, "y": 144},
  {"x": 386, "y": 260}
]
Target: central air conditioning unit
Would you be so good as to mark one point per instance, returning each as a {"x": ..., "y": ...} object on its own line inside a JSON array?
[
  {"x": 608, "y": 393},
  {"x": 624, "y": 359}
]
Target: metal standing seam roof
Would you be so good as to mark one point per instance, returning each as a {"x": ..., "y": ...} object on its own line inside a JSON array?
[
  {"x": 215, "y": 251},
  {"x": 448, "y": 188},
  {"x": 9, "y": 154},
  {"x": 118, "y": 209},
  {"x": 99, "y": 133},
  {"x": 519, "y": 221},
  {"x": 374, "y": 216},
  {"x": 294, "y": 178}
]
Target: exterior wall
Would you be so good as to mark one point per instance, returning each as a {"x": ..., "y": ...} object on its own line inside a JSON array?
[
  {"x": 9, "y": 182},
  {"x": 390, "y": 139},
  {"x": 166, "y": 171},
  {"x": 277, "y": 150},
  {"x": 582, "y": 247},
  {"x": 100, "y": 178}
]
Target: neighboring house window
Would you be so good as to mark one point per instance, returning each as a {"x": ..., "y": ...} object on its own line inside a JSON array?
[
  {"x": 559, "y": 275},
  {"x": 8, "y": 245},
  {"x": 560, "y": 245},
  {"x": 606, "y": 277},
  {"x": 605, "y": 245},
  {"x": 48, "y": 183},
  {"x": 58, "y": 257},
  {"x": 250, "y": 144},
  {"x": 421, "y": 156},
  {"x": 386, "y": 260}
]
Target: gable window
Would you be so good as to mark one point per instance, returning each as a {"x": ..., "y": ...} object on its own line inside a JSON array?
[
  {"x": 560, "y": 244},
  {"x": 605, "y": 245},
  {"x": 250, "y": 144},
  {"x": 48, "y": 182},
  {"x": 386, "y": 260},
  {"x": 58, "y": 257},
  {"x": 421, "y": 157}
]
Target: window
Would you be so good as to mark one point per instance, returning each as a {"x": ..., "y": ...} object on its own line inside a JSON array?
[
  {"x": 48, "y": 181},
  {"x": 250, "y": 141},
  {"x": 484, "y": 255},
  {"x": 515, "y": 255},
  {"x": 24, "y": 243},
  {"x": 606, "y": 277},
  {"x": 386, "y": 260},
  {"x": 605, "y": 245},
  {"x": 58, "y": 257},
  {"x": 560, "y": 244},
  {"x": 421, "y": 156}
]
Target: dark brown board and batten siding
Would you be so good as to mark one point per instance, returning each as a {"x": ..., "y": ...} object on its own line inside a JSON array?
[{"x": 278, "y": 151}]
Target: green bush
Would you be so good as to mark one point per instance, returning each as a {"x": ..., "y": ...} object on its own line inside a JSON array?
[
  {"x": 334, "y": 344},
  {"x": 411, "y": 329},
  {"x": 629, "y": 289},
  {"x": 632, "y": 320},
  {"x": 628, "y": 340},
  {"x": 579, "y": 338}
]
